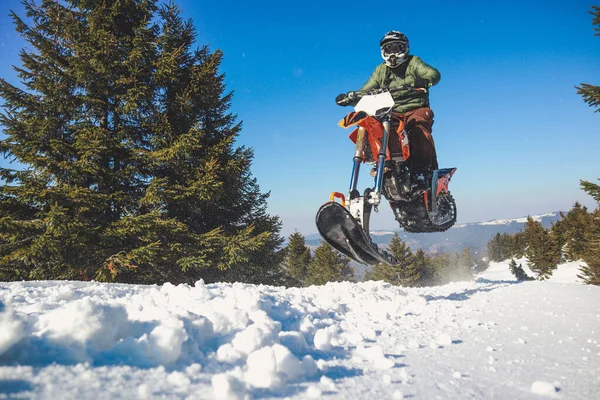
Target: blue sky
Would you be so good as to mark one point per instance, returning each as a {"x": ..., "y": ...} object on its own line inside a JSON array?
[{"x": 507, "y": 113}]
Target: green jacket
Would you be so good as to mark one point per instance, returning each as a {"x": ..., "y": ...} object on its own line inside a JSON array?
[{"x": 404, "y": 75}]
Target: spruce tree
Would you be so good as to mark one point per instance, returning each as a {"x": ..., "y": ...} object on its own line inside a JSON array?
[
  {"x": 591, "y": 93},
  {"x": 296, "y": 259},
  {"x": 405, "y": 272},
  {"x": 440, "y": 269},
  {"x": 447, "y": 268},
  {"x": 590, "y": 273},
  {"x": 328, "y": 265},
  {"x": 480, "y": 264},
  {"x": 463, "y": 265},
  {"x": 501, "y": 247},
  {"x": 421, "y": 262},
  {"x": 518, "y": 271},
  {"x": 542, "y": 250},
  {"x": 494, "y": 249},
  {"x": 410, "y": 271},
  {"x": 131, "y": 168},
  {"x": 592, "y": 189},
  {"x": 519, "y": 243},
  {"x": 570, "y": 230},
  {"x": 559, "y": 229},
  {"x": 506, "y": 246}
]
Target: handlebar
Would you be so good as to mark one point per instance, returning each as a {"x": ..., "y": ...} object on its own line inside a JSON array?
[
  {"x": 348, "y": 98},
  {"x": 383, "y": 90}
]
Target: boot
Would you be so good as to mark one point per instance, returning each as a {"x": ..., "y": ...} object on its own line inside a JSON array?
[{"x": 421, "y": 183}]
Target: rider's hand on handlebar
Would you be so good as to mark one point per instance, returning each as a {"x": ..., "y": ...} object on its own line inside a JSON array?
[
  {"x": 421, "y": 83},
  {"x": 345, "y": 99}
]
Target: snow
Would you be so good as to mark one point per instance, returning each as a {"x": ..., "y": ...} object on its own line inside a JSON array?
[
  {"x": 492, "y": 337},
  {"x": 517, "y": 220},
  {"x": 381, "y": 233}
]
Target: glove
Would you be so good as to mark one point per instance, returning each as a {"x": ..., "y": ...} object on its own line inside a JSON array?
[
  {"x": 345, "y": 99},
  {"x": 421, "y": 83}
]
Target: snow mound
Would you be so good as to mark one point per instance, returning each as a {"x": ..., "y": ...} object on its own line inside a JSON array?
[
  {"x": 564, "y": 273},
  {"x": 492, "y": 336}
]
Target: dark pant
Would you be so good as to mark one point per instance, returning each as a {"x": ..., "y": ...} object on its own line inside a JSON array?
[{"x": 418, "y": 125}]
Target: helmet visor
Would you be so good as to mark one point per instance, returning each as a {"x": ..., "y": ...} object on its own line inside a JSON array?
[{"x": 393, "y": 48}]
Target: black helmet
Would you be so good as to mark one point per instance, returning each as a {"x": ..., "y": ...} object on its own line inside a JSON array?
[{"x": 394, "y": 48}]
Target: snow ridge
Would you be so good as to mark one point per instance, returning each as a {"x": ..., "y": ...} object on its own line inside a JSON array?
[{"x": 518, "y": 220}]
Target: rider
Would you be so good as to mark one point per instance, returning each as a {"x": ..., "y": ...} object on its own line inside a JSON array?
[{"x": 401, "y": 70}]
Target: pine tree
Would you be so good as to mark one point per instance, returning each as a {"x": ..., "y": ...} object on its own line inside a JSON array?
[
  {"x": 296, "y": 259},
  {"x": 422, "y": 263},
  {"x": 501, "y": 247},
  {"x": 463, "y": 264},
  {"x": 570, "y": 230},
  {"x": 410, "y": 272},
  {"x": 519, "y": 244},
  {"x": 591, "y": 93},
  {"x": 559, "y": 229},
  {"x": 494, "y": 249},
  {"x": 590, "y": 273},
  {"x": 481, "y": 264},
  {"x": 542, "y": 250},
  {"x": 592, "y": 189},
  {"x": 131, "y": 169},
  {"x": 405, "y": 272},
  {"x": 439, "y": 269},
  {"x": 518, "y": 271},
  {"x": 506, "y": 246},
  {"x": 328, "y": 265}
]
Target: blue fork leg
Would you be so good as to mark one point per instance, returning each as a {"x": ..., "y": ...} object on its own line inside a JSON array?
[
  {"x": 381, "y": 156},
  {"x": 358, "y": 154}
]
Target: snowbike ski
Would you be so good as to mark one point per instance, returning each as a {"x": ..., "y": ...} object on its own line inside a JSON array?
[
  {"x": 345, "y": 234},
  {"x": 417, "y": 207}
]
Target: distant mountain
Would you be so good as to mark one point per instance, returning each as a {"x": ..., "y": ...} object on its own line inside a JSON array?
[{"x": 474, "y": 236}]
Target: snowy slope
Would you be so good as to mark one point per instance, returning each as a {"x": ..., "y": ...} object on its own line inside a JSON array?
[
  {"x": 490, "y": 338},
  {"x": 522, "y": 220}
]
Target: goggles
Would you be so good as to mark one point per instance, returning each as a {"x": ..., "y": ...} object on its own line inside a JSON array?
[{"x": 393, "y": 47}]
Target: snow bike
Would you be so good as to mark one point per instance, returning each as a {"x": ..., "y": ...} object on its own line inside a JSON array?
[{"x": 425, "y": 207}]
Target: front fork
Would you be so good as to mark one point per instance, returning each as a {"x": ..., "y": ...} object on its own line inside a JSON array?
[
  {"x": 381, "y": 156},
  {"x": 357, "y": 160},
  {"x": 356, "y": 205}
]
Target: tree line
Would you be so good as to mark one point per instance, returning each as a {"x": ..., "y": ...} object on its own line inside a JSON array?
[
  {"x": 575, "y": 237},
  {"x": 413, "y": 269}
]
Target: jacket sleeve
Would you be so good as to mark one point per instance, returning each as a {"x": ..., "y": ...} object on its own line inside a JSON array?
[
  {"x": 374, "y": 80},
  {"x": 372, "y": 83},
  {"x": 426, "y": 71}
]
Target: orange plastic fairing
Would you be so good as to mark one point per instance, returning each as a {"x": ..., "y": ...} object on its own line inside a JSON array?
[
  {"x": 442, "y": 184},
  {"x": 373, "y": 127},
  {"x": 352, "y": 118}
]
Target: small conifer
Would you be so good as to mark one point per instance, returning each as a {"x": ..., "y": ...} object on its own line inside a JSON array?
[
  {"x": 542, "y": 250},
  {"x": 518, "y": 271},
  {"x": 328, "y": 265},
  {"x": 296, "y": 259}
]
